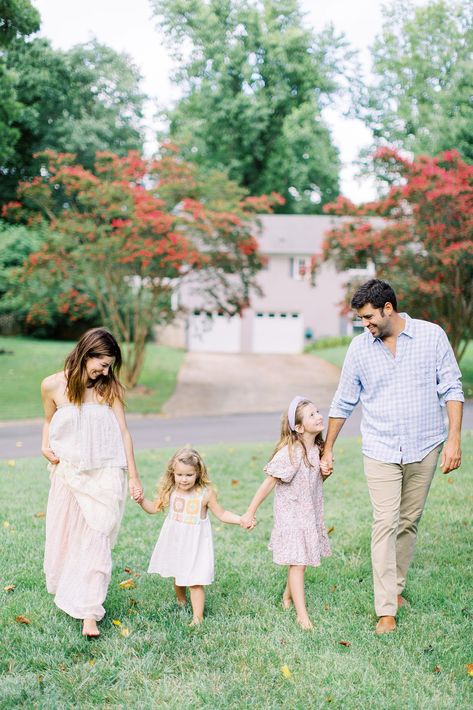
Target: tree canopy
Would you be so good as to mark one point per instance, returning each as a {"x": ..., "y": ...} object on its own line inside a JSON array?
[
  {"x": 421, "y": 96},
  {"x": 254, "y": 81},
  {"x": 84, "y": 100},
  {"x": 127, "y": 234},
  {"x": 423, "y": 245}
]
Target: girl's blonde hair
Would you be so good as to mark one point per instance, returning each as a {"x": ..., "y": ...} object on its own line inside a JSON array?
[
  {"x": 289, "y": 438},
  {"x": 97, "y": 342},
  {"x": 189, "y": 457}
]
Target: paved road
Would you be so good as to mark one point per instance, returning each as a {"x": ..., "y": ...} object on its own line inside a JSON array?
[{"x": 151, "y": 432}]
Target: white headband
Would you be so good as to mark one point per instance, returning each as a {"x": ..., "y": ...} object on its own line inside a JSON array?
[{"x": 291, "y": 411}]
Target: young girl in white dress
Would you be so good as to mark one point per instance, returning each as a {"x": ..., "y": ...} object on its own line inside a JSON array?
[
  {"x": 298, "y": 537},
  {"x": 185, "y": 549}
]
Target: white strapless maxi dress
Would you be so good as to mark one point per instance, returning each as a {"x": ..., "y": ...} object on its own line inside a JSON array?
[{"x": 85, "y": 507}]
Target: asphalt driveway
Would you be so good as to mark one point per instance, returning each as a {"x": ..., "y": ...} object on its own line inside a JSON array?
[{"x": 220, "y": 383}]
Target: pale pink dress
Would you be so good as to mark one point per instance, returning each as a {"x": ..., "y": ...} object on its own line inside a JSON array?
[
  {"x": 184, "y": 549},
  {"x": 298, "y": 536},
  {"x": 85, "y": 507}
]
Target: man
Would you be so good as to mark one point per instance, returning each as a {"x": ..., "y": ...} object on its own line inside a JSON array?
[{"x": 404, "y": 373}]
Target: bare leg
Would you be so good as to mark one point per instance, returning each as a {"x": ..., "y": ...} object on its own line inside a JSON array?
[
  {"x": 296, "y": 586},
  {"x": 197, "y": 601},
  {"x": 180, "y": 594},
  {"x": 90, "y": 628},
  {"x": 286, "y": 597}
]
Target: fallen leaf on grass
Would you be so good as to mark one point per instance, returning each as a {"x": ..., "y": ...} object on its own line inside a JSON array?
[
  {"x": 344, "y": 643},
  {"x": 115, "y": 622},
  {"x": 40, "y": 514},
  {"x": 469, "y": 669},
  {"x": 6, "y": 524},
  {"x": 91, "y": 662},
  {"x": 9, "y": 588},
  {"x": 22, "y": 620},
  {"x": 286, "y": 672},
  {"x": 235, "y": 482},
  {"x": 334, "y": 588},
  {"x": 330, "y": 529},
  {"x": 11, "y": 463},
  {"x": 450, "y": 480},
  {"x": 326, "y": 607},
  {"x": 124, "y": 631},
  {"x": 127, "y": 584},
  {"x": 437, "y": 669}
]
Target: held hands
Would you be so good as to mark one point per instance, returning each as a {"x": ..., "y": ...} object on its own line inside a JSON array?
[
  {"x": 136, "y": 489},
  {"x": 50, "y": 455},
  {"x": 326, "y": 464},
  {"x": 248, "y": 521}
]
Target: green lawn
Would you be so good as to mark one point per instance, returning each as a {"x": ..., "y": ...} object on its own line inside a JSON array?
[
  {"x": 236, "y": 658},
  {"x": 26, "y": 361},
  {"x": 336, "y": 355}
]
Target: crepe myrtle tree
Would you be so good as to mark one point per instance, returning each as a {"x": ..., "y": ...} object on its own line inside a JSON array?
[
  {"x": 130, "y": 232},
  {"x": 424, "y": 243}
]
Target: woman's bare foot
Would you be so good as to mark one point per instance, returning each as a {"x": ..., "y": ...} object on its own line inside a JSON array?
[
  {"x": 196, "y": 621},
  {"x": 180, "y": 595},
  {"x": 90, "y": 628},
  {"x": 305, "y": 623}
]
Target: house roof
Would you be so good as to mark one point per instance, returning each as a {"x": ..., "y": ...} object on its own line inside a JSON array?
[{"x": 293, "y": 234}]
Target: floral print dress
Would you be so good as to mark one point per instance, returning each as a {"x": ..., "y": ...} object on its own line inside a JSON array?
[{"x": 298, "y": 536}]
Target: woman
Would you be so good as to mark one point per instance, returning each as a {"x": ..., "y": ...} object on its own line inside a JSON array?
[{"x": 88, "y": 445}]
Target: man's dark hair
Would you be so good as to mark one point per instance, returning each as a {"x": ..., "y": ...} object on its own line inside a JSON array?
[{"x": 376, "y": 292}]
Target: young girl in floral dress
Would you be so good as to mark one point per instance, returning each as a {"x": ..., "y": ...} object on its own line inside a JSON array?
[{"x": 298, "y": 537}]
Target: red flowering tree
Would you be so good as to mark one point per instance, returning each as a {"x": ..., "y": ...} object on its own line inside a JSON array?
[
  {"x": 128, "y": 234},
  {"x": 424, "y": 243}
]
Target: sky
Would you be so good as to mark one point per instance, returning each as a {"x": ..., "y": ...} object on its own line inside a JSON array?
[{"x": 128, "y": 26}]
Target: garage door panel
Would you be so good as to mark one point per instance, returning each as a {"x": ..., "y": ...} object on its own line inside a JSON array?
[
  {"x": 215, "y": 333},
  {"x": 278, "y": 333}
]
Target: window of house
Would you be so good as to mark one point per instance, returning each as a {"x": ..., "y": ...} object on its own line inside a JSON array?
[{"x": 299, "y": 268}]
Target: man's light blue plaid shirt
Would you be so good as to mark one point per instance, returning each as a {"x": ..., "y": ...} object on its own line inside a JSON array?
[{"x": 403, "y": 396}]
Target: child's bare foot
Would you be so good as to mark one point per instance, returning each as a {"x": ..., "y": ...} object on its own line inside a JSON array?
[
  {"x": 286, "y": 602},
  {"x": 90, "y": 628},
  {"x": 305, "y": 623},
  {"x": 196, "y": 621}
]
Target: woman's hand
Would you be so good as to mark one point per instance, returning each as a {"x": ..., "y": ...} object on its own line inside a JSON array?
[
  {"x": 50, "y": 455},
  {"x": 136, "y": 489}
]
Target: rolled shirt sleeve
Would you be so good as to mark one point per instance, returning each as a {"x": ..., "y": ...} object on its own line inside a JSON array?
[
  {"x": 448, "y": 373},
  {"x": 348, "y": 392}
]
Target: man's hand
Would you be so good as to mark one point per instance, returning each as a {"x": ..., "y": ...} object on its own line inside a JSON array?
[
  {"x": 326, "y": 464},
  {"x": 451, "y": 456}
]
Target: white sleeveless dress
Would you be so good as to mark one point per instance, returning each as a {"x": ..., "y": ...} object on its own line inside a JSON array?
[
  {"x": 85, "y": 506},
  {"x": 185, "y": 548}
]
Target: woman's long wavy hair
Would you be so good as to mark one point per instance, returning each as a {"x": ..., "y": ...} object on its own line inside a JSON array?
[
  {"x": 189, "y": 457},
  {"x": 289, "y": 438},
  {"x": 97, "y": 342}
]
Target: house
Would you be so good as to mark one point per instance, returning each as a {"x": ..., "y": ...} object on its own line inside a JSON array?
[{"x": 291, "y": 311}]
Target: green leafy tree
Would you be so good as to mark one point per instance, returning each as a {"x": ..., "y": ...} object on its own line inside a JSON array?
[
  {"x": 84, "y": 100},
  {"x": 421, "y": 98},
  {"x": 254, "y": 81},
  {"x": 18, "y": 18}
]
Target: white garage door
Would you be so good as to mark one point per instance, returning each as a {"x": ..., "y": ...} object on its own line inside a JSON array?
[
  {"x": 278, "y": 333},
  {"x": 214, "y": 333}
]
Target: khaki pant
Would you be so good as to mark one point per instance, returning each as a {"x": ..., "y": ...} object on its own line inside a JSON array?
[{"x": 398, "y": 493}]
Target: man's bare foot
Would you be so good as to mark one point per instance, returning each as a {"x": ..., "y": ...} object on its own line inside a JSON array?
[
  {"x": 90, "y": 628},
  {"x": 402, "y": 602},
  {"x": 196, "y": 621},
  {"x": 286, "y": 602},
  {"x": 305, "y": 623},
  {"x": 385, "y": 625}
]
